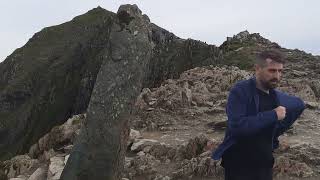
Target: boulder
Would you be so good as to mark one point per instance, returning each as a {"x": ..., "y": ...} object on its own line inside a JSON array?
[
  {"x": 39, "y": 174},
  {"x": 55, "y": 168},
  {"x": 140, "y": 144}
]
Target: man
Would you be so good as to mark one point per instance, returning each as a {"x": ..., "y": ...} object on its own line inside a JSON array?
[{"x": 257, "y": 115}]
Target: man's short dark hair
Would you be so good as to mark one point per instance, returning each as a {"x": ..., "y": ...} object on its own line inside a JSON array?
[{"x": 275, "y": 55}]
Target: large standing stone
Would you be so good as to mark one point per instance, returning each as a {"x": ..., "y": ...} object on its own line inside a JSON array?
[
  {"x": 39, "y": 174},
  {"x": 100, "y": 149}
]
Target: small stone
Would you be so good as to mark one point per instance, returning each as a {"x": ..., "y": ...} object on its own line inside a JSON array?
[
  {"x": 141, "y": 153},
  {"x": 312, "y": 105},
  {"x": 209, "y": 103},
  {"x": 56, "y": 167},
  {"x": 134, "y": 134},
  {"x": 150, "y": 109},
  {"x": 141, "y": 143},
  {"x": 210, "y": 131},
  {"x": 39, "y": 174},
  {"x": 66, "y": 159}
]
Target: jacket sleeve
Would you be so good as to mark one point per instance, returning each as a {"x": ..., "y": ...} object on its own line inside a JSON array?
[
  {"x": 239, "y": 123},
  {"x": 294, "y": 108}
]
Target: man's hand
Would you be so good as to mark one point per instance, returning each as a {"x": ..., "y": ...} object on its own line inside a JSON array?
[{"x": 281, "y": 112}]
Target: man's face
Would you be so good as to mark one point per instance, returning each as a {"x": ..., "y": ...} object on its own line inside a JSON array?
[{"x": 269, "y": 75}]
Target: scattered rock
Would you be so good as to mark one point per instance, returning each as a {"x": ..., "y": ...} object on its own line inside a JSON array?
[
  {"x": 18, "y": 178},
  {"x": 66, "y": 159},
  {"x": 194, "y": 147},
  {"x": 140, "y": 144},
  {"x": 58, "y": 137},
  {"x": 298, "y": 87},
  {"x": 220, "y": 125},
  {"x": 21, "y": 165},
  {"x": 196, "y": 87},
  {"x": 39, "y": 174},
  {"x": 286, "y": 166},
  {"x": 55, "y": 168},
  {"x": 202, "y": 167},
  {"x": 297, "y": 73},
  {"x": 312, "y": 105}
]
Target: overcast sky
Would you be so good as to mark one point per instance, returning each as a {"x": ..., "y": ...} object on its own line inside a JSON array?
[{"x": 290, "y": 23}]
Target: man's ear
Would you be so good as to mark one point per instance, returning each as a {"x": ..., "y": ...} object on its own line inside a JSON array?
[{"x": 256, "y": 67}]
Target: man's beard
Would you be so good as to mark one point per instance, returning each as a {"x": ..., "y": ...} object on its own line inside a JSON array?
[{"x": 270, "y": 84}]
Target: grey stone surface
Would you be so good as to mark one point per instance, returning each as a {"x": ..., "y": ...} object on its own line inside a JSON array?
[{"x": 99, "y": 150}]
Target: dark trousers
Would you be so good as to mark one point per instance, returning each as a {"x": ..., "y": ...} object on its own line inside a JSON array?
[{"x": 248, "y": 173}]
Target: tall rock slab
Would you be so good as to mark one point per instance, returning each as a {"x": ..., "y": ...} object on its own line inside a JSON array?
[{"x": 99, "y": 152}]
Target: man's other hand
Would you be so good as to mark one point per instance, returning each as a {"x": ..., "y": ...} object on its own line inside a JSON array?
[{"x": 281, "y": 112}]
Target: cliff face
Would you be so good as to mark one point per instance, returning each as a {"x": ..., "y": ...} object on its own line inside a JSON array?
[
  {"x": 50, "y": 78},
  {"x": 172, "y": 55}
]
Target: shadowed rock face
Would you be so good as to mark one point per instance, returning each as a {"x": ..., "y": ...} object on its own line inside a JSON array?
[
  {"x": 52, "y": 76},
  {"x": 172, "y": 55}
]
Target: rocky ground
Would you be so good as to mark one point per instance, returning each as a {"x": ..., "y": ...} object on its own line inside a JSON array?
[{"x": 172, "y": 127}]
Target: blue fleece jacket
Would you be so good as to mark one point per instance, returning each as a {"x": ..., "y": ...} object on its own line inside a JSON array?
[{"x": 244, "y": 119}]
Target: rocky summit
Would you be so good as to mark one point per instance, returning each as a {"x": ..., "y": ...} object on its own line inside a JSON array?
[{"x": 113, "y": 96}]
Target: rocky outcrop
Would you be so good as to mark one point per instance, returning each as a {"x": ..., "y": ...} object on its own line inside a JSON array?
[
  {"x": 58, "y": 138},
  {"x": 241, "y": 50},
  {"x": 198, "y": 87},
  {"x": 20, "y": 165},
  {"x": 299, "y": 160},
  {"x": 198, "y": 91}
]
